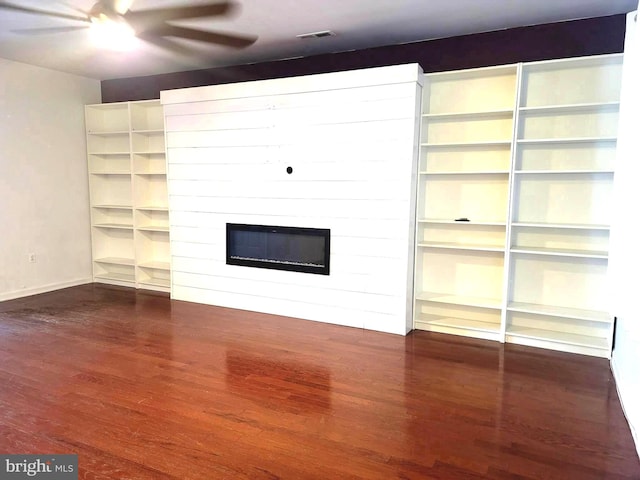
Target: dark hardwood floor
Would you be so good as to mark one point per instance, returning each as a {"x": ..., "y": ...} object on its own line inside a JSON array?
[{"x": 141, "y": 387}]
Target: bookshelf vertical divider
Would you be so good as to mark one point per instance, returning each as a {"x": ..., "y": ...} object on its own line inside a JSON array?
[{"x": 506, "y": 285}]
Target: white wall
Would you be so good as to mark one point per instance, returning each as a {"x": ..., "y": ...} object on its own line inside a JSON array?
[
  {"x": 43, "y": 179},
  {"x": 351, "y": 139},
  {"x": 625, "y": 252}
]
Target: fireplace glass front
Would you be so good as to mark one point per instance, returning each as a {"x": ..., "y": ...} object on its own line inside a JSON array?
[{"x": 280, "y": 248}]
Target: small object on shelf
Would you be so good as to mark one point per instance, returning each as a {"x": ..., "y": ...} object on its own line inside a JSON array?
[{"x": 462, "y": 219}]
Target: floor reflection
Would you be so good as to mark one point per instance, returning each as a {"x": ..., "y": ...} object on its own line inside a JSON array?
[{"x": 284, "y": 385}]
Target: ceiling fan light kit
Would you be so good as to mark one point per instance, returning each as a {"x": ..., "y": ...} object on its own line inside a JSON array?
[{"x": 112, "y": 34}]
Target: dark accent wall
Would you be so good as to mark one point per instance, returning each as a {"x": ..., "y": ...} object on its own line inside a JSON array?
[{"x": 575, "y": 38}]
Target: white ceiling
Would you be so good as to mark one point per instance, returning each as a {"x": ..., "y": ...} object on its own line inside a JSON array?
[{"x": 357, "y": 24}]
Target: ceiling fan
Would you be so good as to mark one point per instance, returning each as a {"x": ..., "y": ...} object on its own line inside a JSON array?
[{"x": 152, "y": 25}]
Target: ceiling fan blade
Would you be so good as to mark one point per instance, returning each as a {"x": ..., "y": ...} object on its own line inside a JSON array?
[
  {"x": 155, "y": 16},
  {"x": 165, "y": 44},
  {"x": 45, "y": 31},
  {"x": 229, "y": 40},
  {"x": 37, "y": 11}
]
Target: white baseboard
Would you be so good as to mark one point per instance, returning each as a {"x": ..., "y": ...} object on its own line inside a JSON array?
[
  {"x": 634, "y": 433},
  {"x": 43, "y": 289}
]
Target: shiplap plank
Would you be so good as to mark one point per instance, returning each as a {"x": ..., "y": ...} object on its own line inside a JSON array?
[
  {"x": 344, "y": 170},
  {"x": 340, "y": 297},
  {"x": 343, "y": 96},
  {"x": 353, "y": 79},
  {"x": 374, "y": 273},
  {"x": 310, "y": 135},
  {"x": 349, "y": 317},
  {"x": 374, "y": 150},
  {"x": 337, "y": 190},
  {"x": 348, "y": 263},
  {"x": 307, "y": 116},
  {"x": 195, "y": 225},
  {"x": 360, "y": 208},
  {"x": 380, "y": 284}
]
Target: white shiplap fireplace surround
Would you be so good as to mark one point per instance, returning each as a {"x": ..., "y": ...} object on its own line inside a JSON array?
[{"x": 351, "y": 140}]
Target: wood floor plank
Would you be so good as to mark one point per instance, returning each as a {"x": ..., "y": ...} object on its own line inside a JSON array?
[{"x": 143, "y": 387}]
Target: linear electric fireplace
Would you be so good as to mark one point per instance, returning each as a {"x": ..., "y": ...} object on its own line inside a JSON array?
[{"x": 280, "y": 248}]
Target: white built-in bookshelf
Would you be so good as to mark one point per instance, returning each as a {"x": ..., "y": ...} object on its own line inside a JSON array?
[
  {"x": 464, "y": 174},
  {"x": 524, "y": 153},
  {"x": 563, "y": 177},
  {"x": 128, "y": 191}
]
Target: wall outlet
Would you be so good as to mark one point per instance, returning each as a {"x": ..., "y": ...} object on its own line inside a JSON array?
[{"x": 32, "y": 258}]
